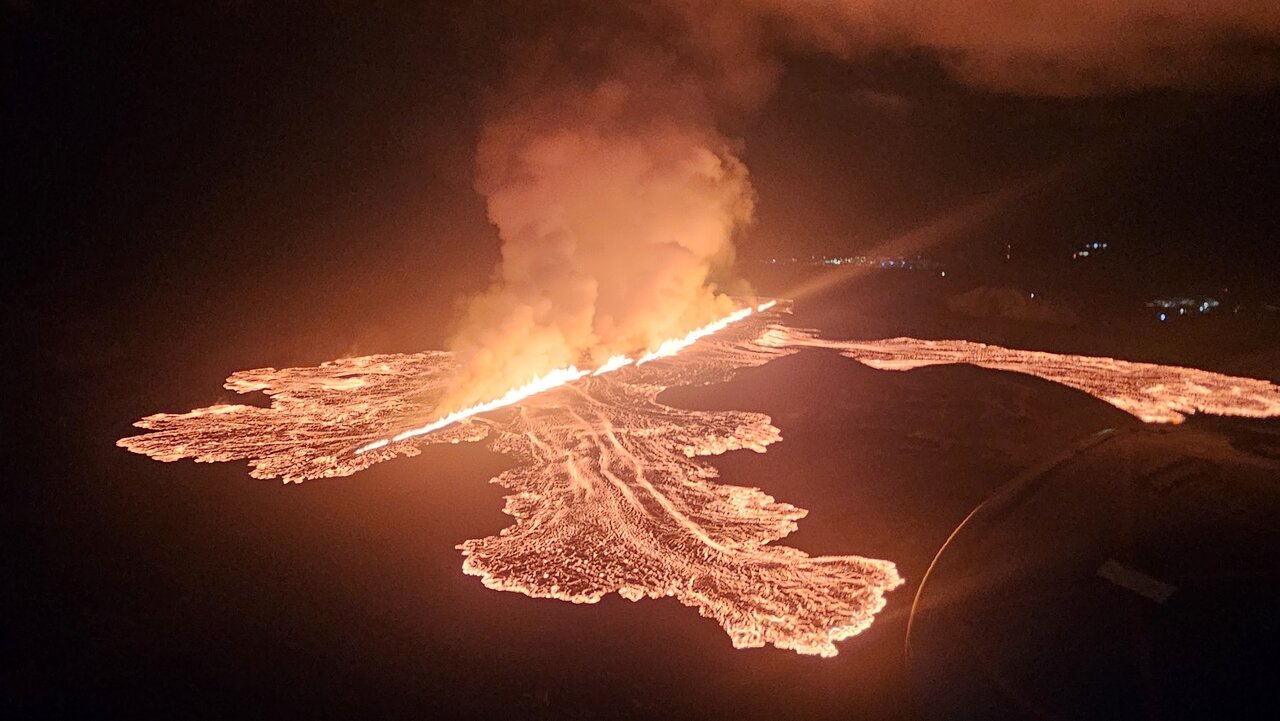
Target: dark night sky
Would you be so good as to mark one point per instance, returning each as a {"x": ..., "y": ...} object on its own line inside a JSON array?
[
  {"x": 245, "y": 159},
  {"x": 245, "y": 184},
  {"x": 239, "y": 160}
]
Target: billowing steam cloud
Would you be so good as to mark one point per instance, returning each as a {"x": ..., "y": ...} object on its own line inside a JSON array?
[
  {"x": 616, "y": 197},
  {"x": 617, "y": 193}
]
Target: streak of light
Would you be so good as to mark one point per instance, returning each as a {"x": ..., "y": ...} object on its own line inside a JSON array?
[
  {"x": 553, "y": 379},
  {"x": 954, "y": 223},
  {"x": 563, "y": 376},
  {"x": 612, "y": 364},
  {"x": 671, "y": 346}
]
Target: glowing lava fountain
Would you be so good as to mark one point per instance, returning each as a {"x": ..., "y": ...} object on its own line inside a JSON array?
[{"x": 610, "y": 492}]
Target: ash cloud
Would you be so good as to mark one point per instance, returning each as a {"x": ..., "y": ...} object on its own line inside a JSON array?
[{"x": 611, "y": 171}]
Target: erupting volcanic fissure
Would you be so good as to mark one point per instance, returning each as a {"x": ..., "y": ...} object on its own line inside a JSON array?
[
  {"x": 610, "y": 492},
  {"x": 561, "y": 376}
]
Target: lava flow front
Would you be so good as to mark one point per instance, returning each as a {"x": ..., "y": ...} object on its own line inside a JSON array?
[{"x": 610, "y": 492}]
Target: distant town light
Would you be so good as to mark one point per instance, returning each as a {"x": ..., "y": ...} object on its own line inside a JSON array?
[
  {"x": 918, "y": 262},
  {"x": 1163, "y": 316},
  {"x": 1093, "y": 248}
]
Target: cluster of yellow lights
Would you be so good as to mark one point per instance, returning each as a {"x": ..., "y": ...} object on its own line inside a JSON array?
[{"x": 562, "y": 376}]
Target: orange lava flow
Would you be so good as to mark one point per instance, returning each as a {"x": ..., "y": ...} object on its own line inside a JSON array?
[
  {"x": 561, "y": 376},
  {"x": 610, "y": 491},
  {"x": 609, "y": 494},
  {"x": 1151, "y": 392}
]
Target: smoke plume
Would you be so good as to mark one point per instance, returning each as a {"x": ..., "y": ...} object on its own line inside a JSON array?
[{"x": 617, "y": 191}]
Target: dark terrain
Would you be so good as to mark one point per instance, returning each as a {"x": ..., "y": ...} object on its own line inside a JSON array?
[{"x": 146, "y": 589}]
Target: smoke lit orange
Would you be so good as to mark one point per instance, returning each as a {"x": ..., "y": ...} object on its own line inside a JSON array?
[{"x": 561, "y": 376}]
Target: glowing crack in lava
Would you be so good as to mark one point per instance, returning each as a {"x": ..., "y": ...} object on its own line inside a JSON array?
[
  {"x": 561, "y": 376},
  {"x": 610, "y": 492}
]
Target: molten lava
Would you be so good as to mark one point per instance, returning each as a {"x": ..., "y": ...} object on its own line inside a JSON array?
[
  {"x": 1154, "y": 393},
  {"x": 610, "y": 492},
  {"x": 561, "y": 376}
]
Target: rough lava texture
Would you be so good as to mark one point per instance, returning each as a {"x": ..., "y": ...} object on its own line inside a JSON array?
[
  {"x": 1153, "y": 393},
  {"x": 611, "y": 492}
]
